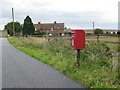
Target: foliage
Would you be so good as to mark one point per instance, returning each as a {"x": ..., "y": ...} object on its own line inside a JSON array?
[
  {"x": 98, "y": 61},
  {"x": 28, "y": 27},
  {"x": 107, "y": 33},
  {"x": 98, "y": 31},
  {"x": 110, "y": 38},
  {"x": 88, "y": 34},
  {"x": 113, "y": 32},
  {"x": 69, "y": 33},
  {"x": 55, "y": 34},
  {"x": 65, "y": 28},
  {"x": 9, "y": 28},
  {"x": 39, "y": 33},
  {"x": 118, "y": 32}
]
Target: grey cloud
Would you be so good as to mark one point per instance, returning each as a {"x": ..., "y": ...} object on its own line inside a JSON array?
[
  {"x": 77, "y": 19},
  {"x": 5, "y": 3}
]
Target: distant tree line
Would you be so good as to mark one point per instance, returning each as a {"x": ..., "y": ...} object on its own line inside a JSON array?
[{"x": 28, "y": 29}]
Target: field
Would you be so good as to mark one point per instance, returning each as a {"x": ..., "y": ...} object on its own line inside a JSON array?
[
  {"x": 3, "y": 33},
  {"x": 98, "y": 61},
  {"x": 112, "y": 39}
]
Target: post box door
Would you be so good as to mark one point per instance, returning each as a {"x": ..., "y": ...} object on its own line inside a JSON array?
[{"x": 78, "y": 39}]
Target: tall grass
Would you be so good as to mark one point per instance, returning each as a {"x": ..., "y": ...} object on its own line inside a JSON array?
[{"x": 98, "y": 61}]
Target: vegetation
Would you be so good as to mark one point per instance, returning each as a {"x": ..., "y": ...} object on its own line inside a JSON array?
[
  {"x": 112, "y": 39},
  {"x": 107, "y": 33},
  {"x": 3, "y": 33},
  {"x": 69, "y": 33},
  {"x": 39, "y": 33},
  {"x": 9, "y": 28},
  {"x": 28, "y": 27},
  {"x": 99, "y": 61},
  {"x": 118, "y": 32},
  {"x": 98, "y": 32},
  {"x": 88, "y": 34}
]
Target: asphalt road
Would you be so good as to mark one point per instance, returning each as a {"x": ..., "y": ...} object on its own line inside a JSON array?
[{"x": 20, "y": 70}]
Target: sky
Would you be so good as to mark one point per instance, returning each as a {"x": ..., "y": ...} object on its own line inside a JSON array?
[{"x": 76, "y": 14}]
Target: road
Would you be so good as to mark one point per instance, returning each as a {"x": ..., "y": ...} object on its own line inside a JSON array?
[{"x": 20, "y": 70}]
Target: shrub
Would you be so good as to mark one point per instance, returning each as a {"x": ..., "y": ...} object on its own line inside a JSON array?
[
  {"x": 118, "y": 32},
  {"x": 39, "y": 33},
  {"x": 69, "y": 33},
  {"x": 98, "y": 31},
  {"x": 89, "y": 34}
]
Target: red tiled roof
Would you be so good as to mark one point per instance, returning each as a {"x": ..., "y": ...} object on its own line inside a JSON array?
[{"x": 48, "y": 26}]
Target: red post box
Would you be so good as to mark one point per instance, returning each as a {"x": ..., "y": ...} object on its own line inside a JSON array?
[{"x": 78, "y": 39}]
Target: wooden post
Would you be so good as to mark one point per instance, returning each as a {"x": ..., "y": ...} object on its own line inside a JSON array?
[
  {"x": 98, "y": 38},
  {"x": 93, "y": 26},
  {"x": 78, "y": 57},
  {"x": 13, "y": 22}
]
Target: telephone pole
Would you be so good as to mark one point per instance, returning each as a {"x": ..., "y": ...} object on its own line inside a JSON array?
[
  {"x": 93, "y": 26},
  {"x": 13, "y": 23}
]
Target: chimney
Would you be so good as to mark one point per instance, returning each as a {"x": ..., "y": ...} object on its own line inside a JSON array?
[
  {"x": 39, "y": 23},
  {"x": 54, "y": 22}
]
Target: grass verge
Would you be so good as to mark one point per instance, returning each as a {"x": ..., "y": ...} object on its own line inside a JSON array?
[{"x": 98, "y": 61}]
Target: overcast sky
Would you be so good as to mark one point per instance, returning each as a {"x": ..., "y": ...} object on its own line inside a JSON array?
[{"x": 76, "y": 14}]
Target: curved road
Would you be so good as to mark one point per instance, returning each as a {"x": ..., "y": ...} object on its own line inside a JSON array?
[{"x": 20, "y": 70}]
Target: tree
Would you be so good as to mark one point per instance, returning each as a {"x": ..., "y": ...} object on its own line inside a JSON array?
[
  {"x": 98, "y": 32},
  {"x": 65, "y": 28},
  {"x": 28, "y": 27},
  {"x": 118, "y": 32},
  {"x": 107, "y": 32},
  {"x": 113, "y": 32},
  {"x": 9, "y": 28}
]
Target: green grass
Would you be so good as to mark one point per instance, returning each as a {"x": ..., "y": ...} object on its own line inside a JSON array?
[
  {"x": 112, "y": 39},
  {"x": 98, "y": 62}
]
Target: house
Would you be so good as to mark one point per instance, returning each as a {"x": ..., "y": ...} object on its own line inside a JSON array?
[{"x": 50, "y": 27}]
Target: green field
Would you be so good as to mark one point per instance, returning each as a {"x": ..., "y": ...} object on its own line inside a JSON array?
[
  {"x": 112, "y": 39},
  {"x": 98, "y": 61},
  {"x": 3, "y": 33}
]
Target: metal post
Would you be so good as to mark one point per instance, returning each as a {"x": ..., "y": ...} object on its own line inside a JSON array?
[
  {"x": 13, "y": 22},
  {"x": 78, "y": 57}
]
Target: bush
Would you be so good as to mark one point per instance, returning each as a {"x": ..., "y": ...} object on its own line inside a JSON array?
[
  {"x": 107, "y": 33},
  {"x": 89, "y": 34},
  {"x": 118, "y": 32},
  {"x": 69, "y": 33},
  {"x": 39, "y": 33},
  {"x": 55, "y": 34},
  {"x": 98, "y": 31}
]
